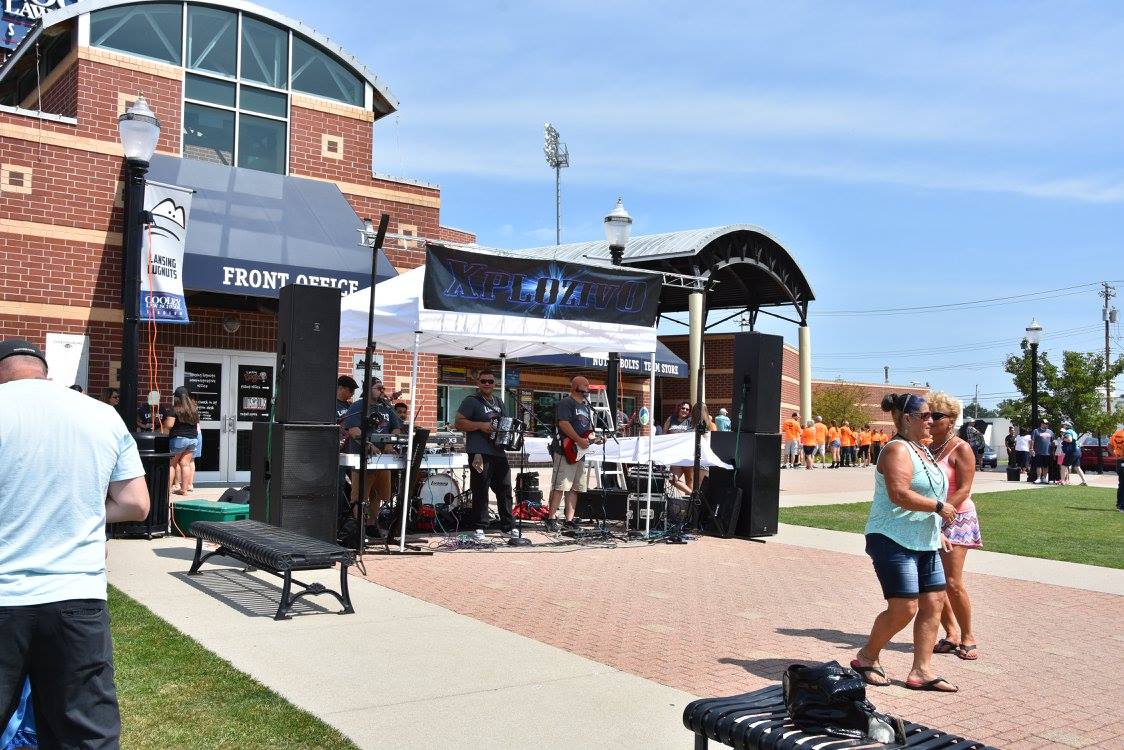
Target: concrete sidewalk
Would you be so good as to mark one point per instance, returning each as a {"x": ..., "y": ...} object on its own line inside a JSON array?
[{"x": 399, "y": 673}]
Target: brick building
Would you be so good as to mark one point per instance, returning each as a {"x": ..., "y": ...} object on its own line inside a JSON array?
[{"x": 233, "y": 84}]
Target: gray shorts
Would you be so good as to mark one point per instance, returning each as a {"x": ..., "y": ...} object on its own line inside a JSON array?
[{"x": 568, "y": 477}]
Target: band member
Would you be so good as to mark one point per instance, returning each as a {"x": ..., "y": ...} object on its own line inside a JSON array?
[
  {"x": 489, "y": 462},
  {"x": 345, "y": 389},
  {"x": 573, "y": 419},
  {"x": 381, "y": 421}
]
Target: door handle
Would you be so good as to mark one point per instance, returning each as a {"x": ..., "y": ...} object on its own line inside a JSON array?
[{"x": 231, "y": 424}]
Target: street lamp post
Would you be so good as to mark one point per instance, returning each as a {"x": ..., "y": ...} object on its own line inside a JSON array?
[
  {"x": 139, "y": 131},
  {"x": 1033, "y": 337},
  {"x": 618, "y": 225}
]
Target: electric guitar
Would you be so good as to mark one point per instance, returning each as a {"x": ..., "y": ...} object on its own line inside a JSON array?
[{"x": 573, "y": 452}]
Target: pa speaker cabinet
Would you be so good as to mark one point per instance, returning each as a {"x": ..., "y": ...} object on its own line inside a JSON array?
[
  {"x": 294, "y": 476},
  {"x": 757, "y": 374},
  {"x": 758, "y": 458},
  {"x": 602, "y": 505},
  {"x": 723, "y": 504},
  {"x": 308, "y": 345}
]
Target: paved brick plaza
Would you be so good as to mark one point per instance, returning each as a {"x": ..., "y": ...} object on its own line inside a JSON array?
[{"x": 718, "y": 617}]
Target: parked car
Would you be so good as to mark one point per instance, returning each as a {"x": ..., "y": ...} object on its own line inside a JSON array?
[
  {"x": 1089, "y": 454},
  {"x": 989, "y": 457}
]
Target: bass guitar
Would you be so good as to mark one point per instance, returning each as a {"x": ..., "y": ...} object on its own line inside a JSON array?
[{"x": 572, "y": 452}]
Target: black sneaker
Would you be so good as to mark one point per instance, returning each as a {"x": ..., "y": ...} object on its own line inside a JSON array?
[
  {"x": 571, "y": 525},
  {"x": 551, "y": 525}
]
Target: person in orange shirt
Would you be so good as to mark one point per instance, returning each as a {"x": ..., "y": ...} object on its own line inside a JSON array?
[
  {"x": 821, "y": 441},
  {"x": 847, "y": 441},
  {"x": 864, "y": 445},
  {"x": 833, "y": 441},
  {"x": 1116, "y": 445},
  {"x": 877, "y": 440},
  {"x": 808, "y": 443},
  {"x": 790, "y": 430}
]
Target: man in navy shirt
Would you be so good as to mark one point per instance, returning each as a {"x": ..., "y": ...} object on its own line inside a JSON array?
[
  {"x": 474, "y": 418},
  {"x": 381, "y": 421},
  {"x": 1041, "y": 441}
]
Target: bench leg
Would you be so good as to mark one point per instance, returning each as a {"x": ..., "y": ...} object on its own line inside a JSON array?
[
  {"x": 701, "y": 742},
  {"x": 286, "y": 588},
  {"x": 346, "y": 601},
  {"x": 197, "y": 561}
]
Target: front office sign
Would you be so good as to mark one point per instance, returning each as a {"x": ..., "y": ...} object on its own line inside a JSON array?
[{"x": 259, "y": 279}]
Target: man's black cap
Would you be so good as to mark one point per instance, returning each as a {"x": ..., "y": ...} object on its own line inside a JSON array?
[
  {"x": 346, "y": 381},
  {"x": 12, "y": 347}
]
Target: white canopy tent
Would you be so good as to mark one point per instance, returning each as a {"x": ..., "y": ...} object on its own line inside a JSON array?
[{"x": 402, "y": 322}]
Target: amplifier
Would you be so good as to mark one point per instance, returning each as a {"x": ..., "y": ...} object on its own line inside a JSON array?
[
  {"x": 603, "y": 505},
  {"x": 638, "y": 512}
]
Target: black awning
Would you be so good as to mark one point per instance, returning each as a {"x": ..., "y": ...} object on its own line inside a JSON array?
[
  {"x": 668, "y": 364},
  {"x": 251, "y": 232}
]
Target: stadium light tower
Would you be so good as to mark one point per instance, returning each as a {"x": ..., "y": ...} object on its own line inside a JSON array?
[{"x": 557, "y": 156}]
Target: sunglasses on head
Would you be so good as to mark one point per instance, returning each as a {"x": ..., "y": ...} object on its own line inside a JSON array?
[{"x": 487, "y": 382}]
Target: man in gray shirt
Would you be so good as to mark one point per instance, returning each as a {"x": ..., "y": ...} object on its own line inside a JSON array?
[
  {"x": 1041, "y": 441},
  {"x": 490, "y": 468}
]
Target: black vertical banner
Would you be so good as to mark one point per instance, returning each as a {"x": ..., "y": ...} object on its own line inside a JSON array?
[{"x": 461, "y": 281}]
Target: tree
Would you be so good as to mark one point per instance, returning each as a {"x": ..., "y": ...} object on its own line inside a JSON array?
[
  {"x": 974, "y": 410},
  {"x": 1073, "y": 393},
  {"x": 841, "y": 402}
]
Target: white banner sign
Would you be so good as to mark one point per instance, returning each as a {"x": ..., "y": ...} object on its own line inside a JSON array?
[
  {"x": 161, "y": 274},
  {"x": 357, "y": 366}
]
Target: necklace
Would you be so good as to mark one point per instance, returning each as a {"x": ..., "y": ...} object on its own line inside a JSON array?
[
  {"x": 922, "y": 452},
  {"x": 938, "y": 451}
]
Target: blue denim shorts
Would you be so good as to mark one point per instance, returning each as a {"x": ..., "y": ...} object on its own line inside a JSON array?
[
  {"x": 181, "y": 444},
  {"x": 904, "y": 573}
]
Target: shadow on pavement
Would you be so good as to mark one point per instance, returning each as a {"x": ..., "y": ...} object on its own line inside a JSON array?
[
  {"x": 770, "y": 669},
  {"x": 251, "y": 596},
  {"x": 849, "y": 641}
]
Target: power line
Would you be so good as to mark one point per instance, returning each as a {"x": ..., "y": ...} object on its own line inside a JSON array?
[
  {"x": 978, "y": 345},
  {"x": 1065, "y": 291}
]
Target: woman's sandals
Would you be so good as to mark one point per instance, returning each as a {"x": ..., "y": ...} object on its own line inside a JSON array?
[{"x": 866, "y": 672}]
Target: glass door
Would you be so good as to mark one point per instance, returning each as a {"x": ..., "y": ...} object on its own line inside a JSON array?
[
  {"x": 234, "y": 390},
  {"x": 204, "y": 375}
]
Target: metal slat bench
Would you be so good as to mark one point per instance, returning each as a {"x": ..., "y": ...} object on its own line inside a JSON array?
[
  {"x": 760, "y": 720},
  {"x": 278, "y": 552}
]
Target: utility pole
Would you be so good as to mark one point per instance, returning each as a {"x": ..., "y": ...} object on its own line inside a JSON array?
[
  {"x": 557, "y": 156},
  {"x": 886, "y": 374},
  {"x": 977, "y": 401},
  {"x": 1109, "y": 315}
]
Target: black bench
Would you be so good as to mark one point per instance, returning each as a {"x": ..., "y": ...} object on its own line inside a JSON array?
[
  {"x": 760, "y": 720},
  {"x": 278, "y": 552}
]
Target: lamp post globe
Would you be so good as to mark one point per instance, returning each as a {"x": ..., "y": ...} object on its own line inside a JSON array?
[
  {"x": 1034, "y": 332},
  {"x": 139, "y": 131},
  {"x": 618, "y": 225}
]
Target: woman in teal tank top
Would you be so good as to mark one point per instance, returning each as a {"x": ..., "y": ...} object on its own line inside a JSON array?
[{"x": 903, "y": 540}]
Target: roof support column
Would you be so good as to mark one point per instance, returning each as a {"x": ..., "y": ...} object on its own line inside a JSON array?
[
  {"x": 696, "y": 306},
  {"x": 805, "y": 373}
]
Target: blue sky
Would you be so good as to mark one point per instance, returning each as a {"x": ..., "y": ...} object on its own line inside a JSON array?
[{"x": 906, "y": 154}]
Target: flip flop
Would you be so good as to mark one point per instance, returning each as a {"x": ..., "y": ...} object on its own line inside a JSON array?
[
  {"x": 865, "y": 672},
  {"x": 967, "y": 652},
  {"x": 945, "y": 646},
  {"x": 931, "y": 685}
]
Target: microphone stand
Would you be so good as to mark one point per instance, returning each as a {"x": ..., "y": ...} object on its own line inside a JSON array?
[{"x": 520, "y": 541}]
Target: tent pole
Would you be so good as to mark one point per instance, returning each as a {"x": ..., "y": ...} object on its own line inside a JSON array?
[
  {"x": 651, "y": 431},
  {"x": 409, "y": 445},
  {"x": 380, "y": 236}
]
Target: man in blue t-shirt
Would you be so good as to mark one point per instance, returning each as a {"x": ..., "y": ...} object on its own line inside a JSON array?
[
  {"x": 68, "y": 466},
  {"x": 490, "y": 468},
  {"x": 1041, "y": 442}
]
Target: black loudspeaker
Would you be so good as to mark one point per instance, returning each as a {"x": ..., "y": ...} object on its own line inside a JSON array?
[
  {"x": 308, "y": 348},
  {"x": 298, "y": 468},
  {"x": 232, "y": 495},
  {"x": 602, "y": 505},
  {"x": 759, "y": 478},
  {"x": 723, "y": 504},
  {"x": 1013, "y": 474},
  {"x": 757, "y": 372}
]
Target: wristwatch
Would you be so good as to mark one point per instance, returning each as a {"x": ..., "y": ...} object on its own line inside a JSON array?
[{"x": 940, "y": 507}]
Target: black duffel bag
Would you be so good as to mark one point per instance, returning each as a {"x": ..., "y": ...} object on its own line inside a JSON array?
[{"x": 831, "y": 699}]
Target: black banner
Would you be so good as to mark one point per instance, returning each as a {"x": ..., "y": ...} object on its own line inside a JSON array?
[{"x": 461, "y": 281}]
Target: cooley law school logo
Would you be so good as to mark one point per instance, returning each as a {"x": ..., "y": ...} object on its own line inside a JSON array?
[{"x": 20, "y": 15}]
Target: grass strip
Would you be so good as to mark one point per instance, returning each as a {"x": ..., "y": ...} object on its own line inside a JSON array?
[
  {"x": 1074, "y": 524},
  {"x": 176, "y": 694}
]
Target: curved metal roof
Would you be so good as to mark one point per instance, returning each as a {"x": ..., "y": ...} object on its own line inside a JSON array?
[
  {"x": 745, "y": 265},
  {"x": 60, "y": 15}
]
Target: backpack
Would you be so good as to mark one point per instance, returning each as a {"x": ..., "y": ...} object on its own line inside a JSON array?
[{"x": 831, "y": 699}]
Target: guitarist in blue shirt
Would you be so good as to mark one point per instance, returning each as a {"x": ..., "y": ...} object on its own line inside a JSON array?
[{"x": 573, "y": 419}]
